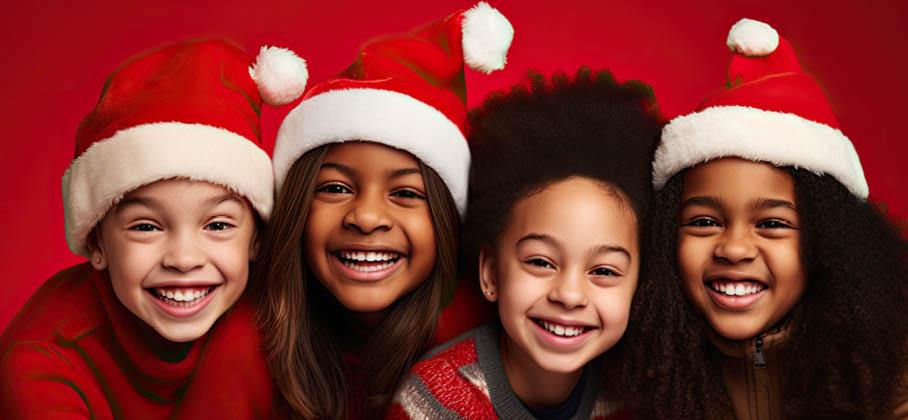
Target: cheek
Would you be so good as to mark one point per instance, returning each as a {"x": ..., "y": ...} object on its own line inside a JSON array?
[
  {"x": 614, "y": 305},
  {"x": 787, "y": 268},
  {"x": 421, "y": 234},
  {"x": 693, "y": 254}
]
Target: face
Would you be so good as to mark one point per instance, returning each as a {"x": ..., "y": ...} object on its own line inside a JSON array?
[
  {"x": 564, "y": 272},
  {"x": 369, "y": 237},
  {"x": 738, "y": 245},
  {"x": 178, "y": 254}
]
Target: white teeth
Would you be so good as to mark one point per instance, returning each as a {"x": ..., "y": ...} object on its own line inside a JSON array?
[
  {"x": 181, "y": 297},
  {"x": 368, "y": 269},
  {"x": 739, "y": 289},
  {"x": 561, "y": 330},
  {"x": 369, "y": 256}
]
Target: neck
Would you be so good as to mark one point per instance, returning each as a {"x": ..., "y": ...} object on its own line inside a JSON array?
[{"x": 534, "y": 386}]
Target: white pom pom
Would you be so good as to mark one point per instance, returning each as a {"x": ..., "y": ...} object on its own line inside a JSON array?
[
  {"x": 280, "y": 75},
  {"x": 487, "y": 35},
  {"x": 752, "y": 38}
]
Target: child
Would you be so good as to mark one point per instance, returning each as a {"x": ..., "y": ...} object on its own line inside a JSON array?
[
  {"x": 559, "y": 193},
  {"x": 776, "y": 291},
  {"x": 165, "y": 196},
  {"x": 371, "y": 170}
]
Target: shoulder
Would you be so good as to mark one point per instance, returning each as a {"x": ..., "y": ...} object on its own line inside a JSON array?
[
  {"x": 448, "y": 383},
  {"x": 67, "y": 304},
  {"x": 37, "y": 379}
]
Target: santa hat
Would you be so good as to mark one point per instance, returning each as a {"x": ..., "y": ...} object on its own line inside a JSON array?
[
  {"x": 188, "y": 110},
  {"x": 405, "y": 91},
  {"x": 769, "y": 111}
]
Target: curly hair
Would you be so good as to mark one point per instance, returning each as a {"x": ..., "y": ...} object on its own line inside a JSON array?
[
  {"x": 849, "y": 335},
  {"x": 546, "y": 130}
]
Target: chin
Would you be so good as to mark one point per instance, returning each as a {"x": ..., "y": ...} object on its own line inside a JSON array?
[
  {"x": 735, "y": 330},
  {"x": 184, "y": 332},
  {"x": 564, "y": 364}
]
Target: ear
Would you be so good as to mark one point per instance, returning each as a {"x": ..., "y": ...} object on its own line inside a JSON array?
[
  {"x": 96, "y": 250},
  {"x": 487, "y": 281}
]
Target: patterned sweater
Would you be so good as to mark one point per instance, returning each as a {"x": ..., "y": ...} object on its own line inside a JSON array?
[{"x": 464, "y": 379}]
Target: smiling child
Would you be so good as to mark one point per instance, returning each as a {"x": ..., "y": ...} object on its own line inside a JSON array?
[
  {"x": 559, "y": 194},
  {"x": 166, "y": 195},
  {"x": 777, "y": 290},
  {"x": 371, "y": 170}
]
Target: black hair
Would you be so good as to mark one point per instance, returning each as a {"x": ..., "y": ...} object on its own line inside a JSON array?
[
  {"x": 848, "y": 337},
  {"x": 546, "y": 130}
]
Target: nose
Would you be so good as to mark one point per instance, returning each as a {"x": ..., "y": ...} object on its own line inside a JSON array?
[
  {"x": 368, "y": 214},
  {"x": 184, "y": 252},
  {"x": 736, "y": 245},
  {"x": 569, "y": 290}
]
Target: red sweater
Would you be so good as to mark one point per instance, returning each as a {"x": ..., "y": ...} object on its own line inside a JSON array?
[
  {"x": 464, "y": 379},
  {"x": 75, "y": 351}
]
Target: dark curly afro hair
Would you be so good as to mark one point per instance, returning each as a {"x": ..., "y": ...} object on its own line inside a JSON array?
[
  {"x": 546, "y": 130},
  {"x": 848, "y": 337}
]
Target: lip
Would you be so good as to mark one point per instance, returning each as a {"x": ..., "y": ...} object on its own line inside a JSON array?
[
  {"x": 561, "y": 344},
  {"x": 182, "y": 312},
  {"x": 368, "y": 248},
  {"x": 368, "y": 277},
  {"x": 734, "y": 276}
]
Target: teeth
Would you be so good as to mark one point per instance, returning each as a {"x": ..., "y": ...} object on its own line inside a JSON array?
[
  {"x": 180, "y": 297},
  {"x": 736, "y": 288},
  {"x": 561, "y": 330},
  {"x": 369, "y": 256},
  {"x": 368, "y": 268}
]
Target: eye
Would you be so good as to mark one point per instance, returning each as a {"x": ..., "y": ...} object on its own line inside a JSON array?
[
  {"x": 539, "y": 262},
  {"x": 144, "y": 227},
  {"x": 218, "y": 226},
  {"x": 703, "y": 222},
  {"x": 604, "y": 271},
  {"x": 774, "y": 224},
  {"x": 334, "y": 189},
  {"x": 408, "y": 194}
]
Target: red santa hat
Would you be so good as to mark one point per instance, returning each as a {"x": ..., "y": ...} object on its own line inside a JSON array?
[
  {"x": 405, "y": 91},
  {"x": 188, "y": 110},
  {"x": 769, "y": 111}
]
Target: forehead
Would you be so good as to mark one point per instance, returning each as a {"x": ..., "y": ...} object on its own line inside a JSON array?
[
  {"x": 738, "y": 180},
  {"x": 366, "y": 156},
  {"x": 578, "y": 211},
  {"x": 179, "y": 194}
]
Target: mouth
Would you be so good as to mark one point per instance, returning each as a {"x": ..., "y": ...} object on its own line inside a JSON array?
[
  {"x": 562, "y": 336},
  {"x": 734, "y": 294},
  {"x": 371, "y": 265},
  {"x": 182, "y": 301}
]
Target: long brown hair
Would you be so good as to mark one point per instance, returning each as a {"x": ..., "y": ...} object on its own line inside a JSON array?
[{"x": 299, "y": 318}]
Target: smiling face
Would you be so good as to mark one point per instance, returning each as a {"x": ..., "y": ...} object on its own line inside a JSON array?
[
  {"x": 369, "y": 237},
  {"x": 739, "y": 245},
  {"x": 564, "y": 271},
  {"x": 177, "y": 253}
]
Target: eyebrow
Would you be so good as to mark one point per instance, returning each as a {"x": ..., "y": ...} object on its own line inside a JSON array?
[
  {"x": 344, "y": 169},
  {"x": 213, "y": 201},
  {"x": 539, "y": 237},
  {"x": 607, "y": 249},
  {"x": 351, "y": 173},
  {"x": 770, "y": 203},
  {"x": 401, "y": 172},
  {"x": 702, "y": 200},
  {"x": 140, "y": 201},
  {"x": 603, "y": 249}
]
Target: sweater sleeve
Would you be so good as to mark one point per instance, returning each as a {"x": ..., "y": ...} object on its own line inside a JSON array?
[{"x": 37, "y": 381}]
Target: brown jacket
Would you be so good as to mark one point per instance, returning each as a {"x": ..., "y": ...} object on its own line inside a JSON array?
[{"x": 753, "y": 372}]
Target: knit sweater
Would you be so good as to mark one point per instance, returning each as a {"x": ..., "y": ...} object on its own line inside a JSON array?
[
  {"x": 74, "y": 351},
  {"x": 465, "y": 379}
]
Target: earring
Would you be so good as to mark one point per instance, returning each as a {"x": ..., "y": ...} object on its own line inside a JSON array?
[
  {"x": 489, "y": 292},
  {"x": 97, "y": 260}
]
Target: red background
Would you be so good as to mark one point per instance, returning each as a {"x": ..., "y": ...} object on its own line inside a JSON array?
[{"x": 58, "y": 54}]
